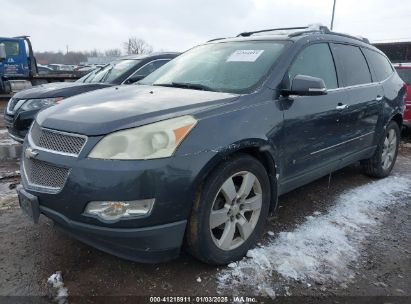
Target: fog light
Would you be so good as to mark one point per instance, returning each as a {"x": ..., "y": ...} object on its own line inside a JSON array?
[{"x": 110, "y": 211}]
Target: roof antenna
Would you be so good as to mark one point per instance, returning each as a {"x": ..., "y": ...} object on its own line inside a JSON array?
[{"x": 332, "y": 18}]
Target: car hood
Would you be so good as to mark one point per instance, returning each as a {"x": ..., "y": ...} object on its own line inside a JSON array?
[
  {"x": 59, "y": 89},
  {"x": 111, "y": 109}
]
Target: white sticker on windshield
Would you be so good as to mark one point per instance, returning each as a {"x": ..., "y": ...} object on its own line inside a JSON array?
[{"x": 245, "y": 55}]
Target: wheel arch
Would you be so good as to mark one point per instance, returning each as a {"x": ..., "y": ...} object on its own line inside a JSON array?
[
  {"x": 397, "y": 117},
  {"x": 257, "y": 148}
]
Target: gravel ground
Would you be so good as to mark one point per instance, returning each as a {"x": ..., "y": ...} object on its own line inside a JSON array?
[{"x": 30, "y": 254}]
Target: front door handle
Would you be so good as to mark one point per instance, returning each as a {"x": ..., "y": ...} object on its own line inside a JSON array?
[
  {"x": 379, "y": 98},
  {"x": 341, "y": 106}
]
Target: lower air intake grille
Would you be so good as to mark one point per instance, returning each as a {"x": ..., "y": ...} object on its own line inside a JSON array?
[{"x": 41, "y": 174}]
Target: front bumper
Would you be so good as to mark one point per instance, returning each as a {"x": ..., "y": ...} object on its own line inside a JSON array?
[
  {"x": 157, "y": 237},
  {"x": 148, "y": 245}
]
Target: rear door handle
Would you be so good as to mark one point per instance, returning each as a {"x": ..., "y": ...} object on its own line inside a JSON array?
[
  {"x": 379, "y": 98},
  {"x": 341, "y": 106}
]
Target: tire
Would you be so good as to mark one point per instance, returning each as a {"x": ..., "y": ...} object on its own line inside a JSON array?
[
  {"x": 383, "y": 160},
  {"x": 220, "y": 209}
]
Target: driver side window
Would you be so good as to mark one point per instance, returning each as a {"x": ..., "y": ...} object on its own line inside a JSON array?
[{"x": 316, "y": 61}]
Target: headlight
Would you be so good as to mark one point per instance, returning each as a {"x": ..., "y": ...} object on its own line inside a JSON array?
[
  {"x": 34, "y": 104},
  {"x": 151, "y": 141}
]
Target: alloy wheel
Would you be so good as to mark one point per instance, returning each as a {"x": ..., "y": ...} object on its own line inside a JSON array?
[
  {"x": 389, "y": 149},
  {"x": 236, "y": 210}
]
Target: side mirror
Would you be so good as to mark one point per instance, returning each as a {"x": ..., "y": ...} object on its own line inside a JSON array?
[
  {"x": 134, "y": 79},
  {"x": 3, "y": 54},
  {"x": 304, "y": 85}
]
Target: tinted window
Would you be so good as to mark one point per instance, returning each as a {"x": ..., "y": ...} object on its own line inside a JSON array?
[
  {"x": 405, "y": 74},
  {"x": 381, "y": 66},
  {"x": 316, "y": 61},
  {"x": 151, "y": 67},
  {"x": 351, "y": 65},
  {"x": 236, "y": 67}
]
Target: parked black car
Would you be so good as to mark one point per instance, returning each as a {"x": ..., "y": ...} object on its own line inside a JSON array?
[
  {"x": 203, "y": 147},
  {"x": 24, "y": 105}
]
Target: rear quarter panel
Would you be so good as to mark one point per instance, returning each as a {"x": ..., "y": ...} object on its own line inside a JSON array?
[{"x": 395, "y": 92}]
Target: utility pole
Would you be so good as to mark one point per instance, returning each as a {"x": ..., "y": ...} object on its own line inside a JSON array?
[{"x": 332, "y": 18}]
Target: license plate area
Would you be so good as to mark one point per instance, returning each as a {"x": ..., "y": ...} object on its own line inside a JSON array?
[{"x": 29, "y": 204}]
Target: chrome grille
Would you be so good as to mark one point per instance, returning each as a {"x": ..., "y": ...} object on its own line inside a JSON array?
[
  {"x": 57, "y": 141},
  {"x": 42, "y": 174}
]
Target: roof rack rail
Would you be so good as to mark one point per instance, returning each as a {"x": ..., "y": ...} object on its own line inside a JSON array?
[
  {"x": 363, "y": 39},
  {"x": 247, "y": 34},
  {"x": 297, "y": 31}
]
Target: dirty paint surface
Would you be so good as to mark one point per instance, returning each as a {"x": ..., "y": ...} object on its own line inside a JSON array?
[{"x": 30, "y": 255}]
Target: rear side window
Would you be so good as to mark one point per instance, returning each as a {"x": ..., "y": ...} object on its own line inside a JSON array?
[
  {"x": 316, "y": 61},
  {"x": 381, "y": 66},
  {"x": 351, "y": 65}
]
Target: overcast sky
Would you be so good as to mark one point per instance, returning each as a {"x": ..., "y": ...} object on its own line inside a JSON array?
[{"x": 180, "y": 24}]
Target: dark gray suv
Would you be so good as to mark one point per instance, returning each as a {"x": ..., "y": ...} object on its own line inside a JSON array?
[{"x": 199, "y": 151}]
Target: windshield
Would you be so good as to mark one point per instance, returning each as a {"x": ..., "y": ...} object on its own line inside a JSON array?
[
  {"x": 110, "y": 72},
  {"x": 235, "y": 67},
  {"x": 405, "y": 74}
]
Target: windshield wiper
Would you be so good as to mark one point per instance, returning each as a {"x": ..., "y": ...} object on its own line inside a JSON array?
[{"x": 186, "y": 85}]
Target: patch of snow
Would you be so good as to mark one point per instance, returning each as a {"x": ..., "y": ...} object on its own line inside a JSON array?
[
  {"x": 7, "y": 142},
  {"x": 56, "y": 280},
  {"x": 316, "y": 213},
  {"x": 5, "y": 139},
  {"x": 270, "y": 233},
  {"x": 198, "y": 280},
  {"x": 232, "y": 265},
  {"x": 322, "y": 248},
  {"x": 269, "y": 292}
]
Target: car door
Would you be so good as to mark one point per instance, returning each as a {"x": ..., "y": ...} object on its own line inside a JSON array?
[
  {"x": 361, "y": 109},
  {"x": 311, "y": 123},
  {"x": 16, "y": 62}
]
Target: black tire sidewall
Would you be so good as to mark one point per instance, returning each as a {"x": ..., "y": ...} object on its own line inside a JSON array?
[{"x": 211, "y": 187}]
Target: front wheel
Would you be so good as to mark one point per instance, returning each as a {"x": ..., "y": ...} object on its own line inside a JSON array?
[
  {"x": 229, "y": 213},
  {"x": 383, "y": 160}
]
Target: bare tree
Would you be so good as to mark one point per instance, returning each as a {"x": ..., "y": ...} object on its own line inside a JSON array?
[
  {"x": 113, "y": 53},
  {"x": 94, "y": 53},
  {"x": 136, "y": 45}
]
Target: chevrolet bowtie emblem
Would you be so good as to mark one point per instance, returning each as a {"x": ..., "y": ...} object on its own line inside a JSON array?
[{"x": 30, "y": 153}]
